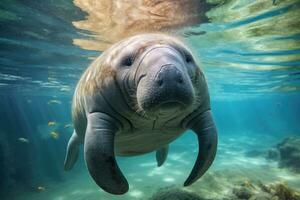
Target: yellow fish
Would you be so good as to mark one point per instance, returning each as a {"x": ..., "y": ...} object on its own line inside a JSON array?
[
  {"x": 24, "y": 140},
  {"x": 54, "y": 135},
  {"x": 50, "y": 123},
  {"x": 41, "y": 188},
  {"x": 65, "y": 89},
  {"x": 54, "y": 102},
  {"x": 68, "y": 126},
  {"x": 52, "y": 79}
]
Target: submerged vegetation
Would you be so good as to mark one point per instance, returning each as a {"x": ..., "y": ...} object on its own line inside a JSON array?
[
  {"x": 245, "y": 190},
  {"x": 174, "y": 194}
]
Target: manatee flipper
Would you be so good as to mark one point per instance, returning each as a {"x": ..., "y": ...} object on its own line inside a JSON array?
[
  {"x": 204, "y": 126},
  {"x": 99, "y": 153},
  {"x": 161, "y": 155},
  {"x": 72, "y": 151}
]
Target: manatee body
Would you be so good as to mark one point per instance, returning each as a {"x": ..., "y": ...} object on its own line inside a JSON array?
[{"x": 137, "y": 97}]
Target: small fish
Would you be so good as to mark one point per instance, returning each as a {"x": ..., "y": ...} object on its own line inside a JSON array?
[
  {"x": 68, "y": 126},
  {"x": 41, "y": 188},
  {"x": 52, "y": 79},
  {"x": 53, "y": 101},
  {"x": 51, "y": 123},
  {"x": 65, "y": 89},
  {"x": 24, "y": 140},
  {"x": 54, "y": 135}
]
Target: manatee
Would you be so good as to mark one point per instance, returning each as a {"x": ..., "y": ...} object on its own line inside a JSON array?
[{"x": 137, "y": 97}]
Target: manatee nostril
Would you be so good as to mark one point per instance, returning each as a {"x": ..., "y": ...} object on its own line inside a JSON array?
[{"x": 169, "y": 75}]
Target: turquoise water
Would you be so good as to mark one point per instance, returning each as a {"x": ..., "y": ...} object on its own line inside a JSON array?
[{"x": 248, "y": 50}]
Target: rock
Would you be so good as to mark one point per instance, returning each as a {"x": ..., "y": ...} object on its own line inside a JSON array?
[
  {"x": 273, "y": 154},
  {"x": 283, "y": 192},
  {"x": 260, "y": 191},
  {"x": 248, "y": 184},
  {"x": 174, "y": 194},
  {"x": 264, "y": 187},
  {"x": 261, "y": 196},
  {"x": 275, "y": 191},
  {"x": 242, "y": 192},
  {"x": 289, "y": 151}
]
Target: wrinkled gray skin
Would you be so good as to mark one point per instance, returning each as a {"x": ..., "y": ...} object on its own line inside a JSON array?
[{"x": 155, "y": 96}]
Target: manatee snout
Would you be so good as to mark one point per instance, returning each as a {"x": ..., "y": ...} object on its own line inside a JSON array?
[{"x": 165, "y": 84}]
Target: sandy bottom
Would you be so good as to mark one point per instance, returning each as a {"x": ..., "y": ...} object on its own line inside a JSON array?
[{"x": 234, "y": 164}]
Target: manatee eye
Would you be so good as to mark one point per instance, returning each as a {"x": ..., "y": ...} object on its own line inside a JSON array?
[
  {"x": 188, "y": 57},
  {"x": 127, "y": 61}
]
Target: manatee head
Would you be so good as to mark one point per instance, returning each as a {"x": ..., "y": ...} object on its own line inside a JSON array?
[{"x": 158, "y": 74}]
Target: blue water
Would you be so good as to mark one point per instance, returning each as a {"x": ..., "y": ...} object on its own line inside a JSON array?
[{"x": 248, "y": 50}]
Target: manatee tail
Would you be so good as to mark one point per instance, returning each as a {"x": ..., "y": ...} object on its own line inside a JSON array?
[{"x": 72, "y": 151}]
